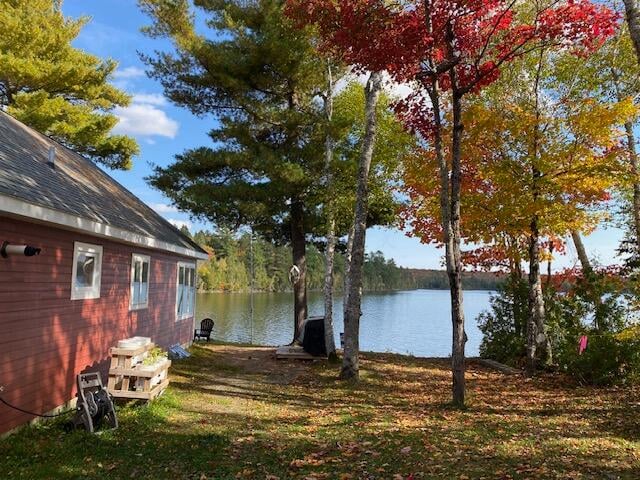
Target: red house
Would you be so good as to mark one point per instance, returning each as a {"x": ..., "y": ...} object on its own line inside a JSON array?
[{"x": 109, "y": 268}]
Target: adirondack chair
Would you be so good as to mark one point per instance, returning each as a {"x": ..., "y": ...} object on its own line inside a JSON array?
[{"x": 204, "y": 331}]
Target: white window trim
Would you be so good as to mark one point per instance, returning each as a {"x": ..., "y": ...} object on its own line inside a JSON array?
[
  {"x": 186, "y": 315},
  {"x": 145, "y": 259},
  {"x": 86, "y": 293}
]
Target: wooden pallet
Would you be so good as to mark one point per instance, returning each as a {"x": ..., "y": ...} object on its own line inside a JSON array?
[{"x": 124, "y": 375}]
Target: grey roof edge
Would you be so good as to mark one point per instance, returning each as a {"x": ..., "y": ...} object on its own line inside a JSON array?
[
  {"x": 45, "y": 215},
  {"x": 109, "y": 179}
]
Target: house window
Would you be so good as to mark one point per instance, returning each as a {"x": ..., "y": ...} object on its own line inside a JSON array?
[
  {"x": 139, "y": 281},
  {"x": 87, "y": 269},
  {"x": 186, "y": 294}
]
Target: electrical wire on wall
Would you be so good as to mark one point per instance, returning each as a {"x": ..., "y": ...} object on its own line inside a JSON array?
[{"x": 28, "y": 412}]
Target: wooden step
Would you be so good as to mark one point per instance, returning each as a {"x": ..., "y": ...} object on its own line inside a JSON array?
[{"x": 294, "y": 353}]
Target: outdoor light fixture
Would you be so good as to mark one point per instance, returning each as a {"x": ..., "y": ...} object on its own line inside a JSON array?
[{"x": 26, "y": 250}]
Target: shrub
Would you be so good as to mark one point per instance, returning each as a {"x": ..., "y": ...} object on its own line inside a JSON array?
[
  {"x": 504, "y": 326},
  {"x": 609, "y": 358},
  {"x": 591, "y": 306}
]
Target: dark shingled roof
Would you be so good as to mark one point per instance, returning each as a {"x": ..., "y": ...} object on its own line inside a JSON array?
[{"x": 75, "y": 186}]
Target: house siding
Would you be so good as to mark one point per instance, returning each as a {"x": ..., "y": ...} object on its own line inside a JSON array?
[{"x": 46, "y": 338}]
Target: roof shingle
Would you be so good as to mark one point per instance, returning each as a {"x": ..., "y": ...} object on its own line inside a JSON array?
[{"x": 75, "y": 186}]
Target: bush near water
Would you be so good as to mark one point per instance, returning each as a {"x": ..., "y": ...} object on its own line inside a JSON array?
[{"x": 595, "y": 305}]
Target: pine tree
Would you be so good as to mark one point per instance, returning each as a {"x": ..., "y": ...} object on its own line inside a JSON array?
[
  {"x": 259, "y": 77},
  {"x": 55, "y": 88}
]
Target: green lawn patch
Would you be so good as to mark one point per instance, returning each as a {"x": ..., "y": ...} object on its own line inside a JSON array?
[{"x": 235, "y": 412}]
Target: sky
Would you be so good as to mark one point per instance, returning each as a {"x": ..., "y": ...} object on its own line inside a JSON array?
[{"x": 164, "y": 130}]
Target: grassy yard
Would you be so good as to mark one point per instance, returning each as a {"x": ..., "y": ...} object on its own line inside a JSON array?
[{"x": 234, "y": 412}]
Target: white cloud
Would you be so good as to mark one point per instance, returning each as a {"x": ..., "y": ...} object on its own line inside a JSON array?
[
  {"x": 149, "y": 99},
  {"x": 163, "y": 208},
  {"x": 180, "y": 223},
  {"x": 144, "y": 118},
  {"x": 129, "y": 72}
]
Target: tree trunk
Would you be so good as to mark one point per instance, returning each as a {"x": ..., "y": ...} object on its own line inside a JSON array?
[
  {"x": 299, "y": 251},
  {"x": 536, "y": 335},
  {"x": 536, "y": 338},
  {"x": 582, "y": 252},
  {"x": 350, "y": 361},
  {"x": 329, "y": 339},
  {"x": 635, "y": 170},
  {"x": 588, "y": 274},
  {"x": 454, "y": 259},
  {"x": 633, "y": 21},
  {"x": 347, "y": 269}
]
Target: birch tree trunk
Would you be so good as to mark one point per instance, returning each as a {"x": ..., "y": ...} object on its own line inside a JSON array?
[
  {"x": 537, "y": 343},
  {"x": 632, "y": 10},
  {"x": 299, "y": 254},
  {"x": 582, "y": 252},
  {"x": 347, "y": 261},
  {"x": 329, "y": 339},
  {"x": 350, "y": 361},
  {"x": 588, "y": 273}
]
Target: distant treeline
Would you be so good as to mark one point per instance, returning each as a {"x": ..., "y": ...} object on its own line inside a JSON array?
[
  {"x": 437, "y": 279},
  {"x": 232, "y": 267}
]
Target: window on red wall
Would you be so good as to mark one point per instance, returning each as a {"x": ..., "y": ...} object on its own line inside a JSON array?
[
  {"x": 140, "y": 266},
  {"x": 87, "y": 271},
  {"x": 186, "y": 291}
]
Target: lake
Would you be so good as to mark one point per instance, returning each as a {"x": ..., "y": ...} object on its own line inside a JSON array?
[{"x": 416, "y": 322}]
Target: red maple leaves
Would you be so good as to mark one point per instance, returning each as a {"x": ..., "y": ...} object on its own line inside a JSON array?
[{"x": 427, "y": 40}]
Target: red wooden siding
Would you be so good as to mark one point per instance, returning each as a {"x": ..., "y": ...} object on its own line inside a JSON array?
[{"x": 46, "y": 339}]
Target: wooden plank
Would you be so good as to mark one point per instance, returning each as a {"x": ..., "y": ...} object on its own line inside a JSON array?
[
  {"x": 139, "y": 372},
  {"x": 158, "y": 389},
  {"x": 131, "y": 352},
  {"x": 155, "y": 391}
]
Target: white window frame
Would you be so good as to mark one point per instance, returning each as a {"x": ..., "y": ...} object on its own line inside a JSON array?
[
  {"x": 190, "y": 312},
  {"x": 138, "y": 257},
  {"x": 92, "y": 292}
]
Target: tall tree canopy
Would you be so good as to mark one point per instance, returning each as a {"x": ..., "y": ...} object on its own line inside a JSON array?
[
  {"x": 449, "y": 50},
  {"x": 55, "y": 88},
  {"x": 261, "y": 78},
  {"x": 539, "y": 162}
]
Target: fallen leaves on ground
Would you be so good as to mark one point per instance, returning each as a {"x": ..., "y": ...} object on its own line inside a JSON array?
[{"x": 225, "y": 418}]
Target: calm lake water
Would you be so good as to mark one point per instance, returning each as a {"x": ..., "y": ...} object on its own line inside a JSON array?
[{"x": 415, "y": 322}]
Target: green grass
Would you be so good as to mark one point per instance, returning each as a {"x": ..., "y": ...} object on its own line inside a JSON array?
[{"x": 234, "y": 412}]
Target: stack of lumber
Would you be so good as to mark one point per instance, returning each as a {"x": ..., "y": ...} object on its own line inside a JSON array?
[{"x": 129, "y": 377}]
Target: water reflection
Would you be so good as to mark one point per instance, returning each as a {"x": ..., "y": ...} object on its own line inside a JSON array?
[{"x": 412, "y": 322}]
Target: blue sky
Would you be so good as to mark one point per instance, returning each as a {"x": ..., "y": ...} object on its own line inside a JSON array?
[{"x": 164, "y": 130}]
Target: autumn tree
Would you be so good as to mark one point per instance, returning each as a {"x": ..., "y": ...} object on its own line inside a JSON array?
[
  {"x": 347, "y": 131},
  {"x": 449, "y": 50},
  {"x": 371, "y": 145},
  {"x": 59, "y": 90},
  {"x": 612, "y": 73},
  {"x": 539, "y": 164},
  {"x": 330, "y": 249},
  {"x": 262, "y": 80}
]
